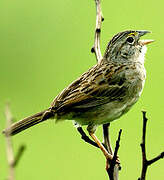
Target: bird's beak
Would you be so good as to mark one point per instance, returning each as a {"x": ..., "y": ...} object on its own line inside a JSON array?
[
  {"x": 142, "y": 32},
  {"x": 144, "y": 42}
]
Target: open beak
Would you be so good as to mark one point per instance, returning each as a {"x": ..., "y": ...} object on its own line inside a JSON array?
[{"x": 144, "y": 42}]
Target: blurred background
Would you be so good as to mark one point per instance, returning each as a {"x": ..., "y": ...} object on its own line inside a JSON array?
[{"x": 44, "y": 46}]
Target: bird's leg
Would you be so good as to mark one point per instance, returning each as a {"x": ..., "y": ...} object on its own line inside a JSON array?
[
  {"x": 95, "y": 143},
  {"x": 105, "y": 152},
  {"x": 86, "y": 138},
  {"x": 91, "y": 129},
  {"x": 107, "y": 144}
]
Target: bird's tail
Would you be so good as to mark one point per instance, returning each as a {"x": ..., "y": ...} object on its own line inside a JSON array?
[{"x": 28, "y": 122}]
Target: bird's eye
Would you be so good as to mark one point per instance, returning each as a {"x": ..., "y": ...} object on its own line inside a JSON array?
[{"x": 130, "y": 40}]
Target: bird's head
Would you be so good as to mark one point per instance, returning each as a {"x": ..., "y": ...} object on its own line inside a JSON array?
[{"x": 126, "y": 46}]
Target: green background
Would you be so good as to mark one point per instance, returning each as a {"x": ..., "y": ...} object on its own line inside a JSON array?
[{"x": 44, "y": 46}]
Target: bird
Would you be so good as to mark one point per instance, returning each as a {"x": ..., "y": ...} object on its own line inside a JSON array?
[{"x": 104, "y": 93}]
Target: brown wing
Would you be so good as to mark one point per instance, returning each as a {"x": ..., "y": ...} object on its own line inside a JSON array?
[{"x": 100, "y": 85}]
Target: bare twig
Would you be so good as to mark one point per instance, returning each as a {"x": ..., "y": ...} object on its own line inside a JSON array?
[
  {"x": 9, "y": 148},
  {"x": 145, "y": 162},
  {"x": 85, "y": 137},
  {"x": 106, "y": 138},
  {"x": 114, "y": 166},
  {"x": 96, "y": 49},
  {"x": 19, "y": 155},
  {"x": 99, "y": 18},
  {"x": 160, "y": 156}
]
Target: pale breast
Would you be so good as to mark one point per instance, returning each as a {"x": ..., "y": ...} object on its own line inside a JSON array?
[{"x": 135, "y": 83}]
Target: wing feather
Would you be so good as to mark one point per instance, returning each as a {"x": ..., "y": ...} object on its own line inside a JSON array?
[{"x": 100, "y": 85}]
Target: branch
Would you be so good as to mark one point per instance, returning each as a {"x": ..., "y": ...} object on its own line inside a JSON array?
[
  {"x": 12, "y": 162},
  {"x": 9, "y": 148},
  {"x": 99, "y": 18},
  {"x": 114, "y": 164},
  {"x": 85, "y": 137},
  {"x": 106, "y": 138},
  {"x": 19, "y": 155},
  {"x": 146, "y": 163},
  {"x": 96, "y": 49}
]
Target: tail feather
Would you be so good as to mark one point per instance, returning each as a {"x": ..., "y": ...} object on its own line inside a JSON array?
[{"x": 28, "y": 122}]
